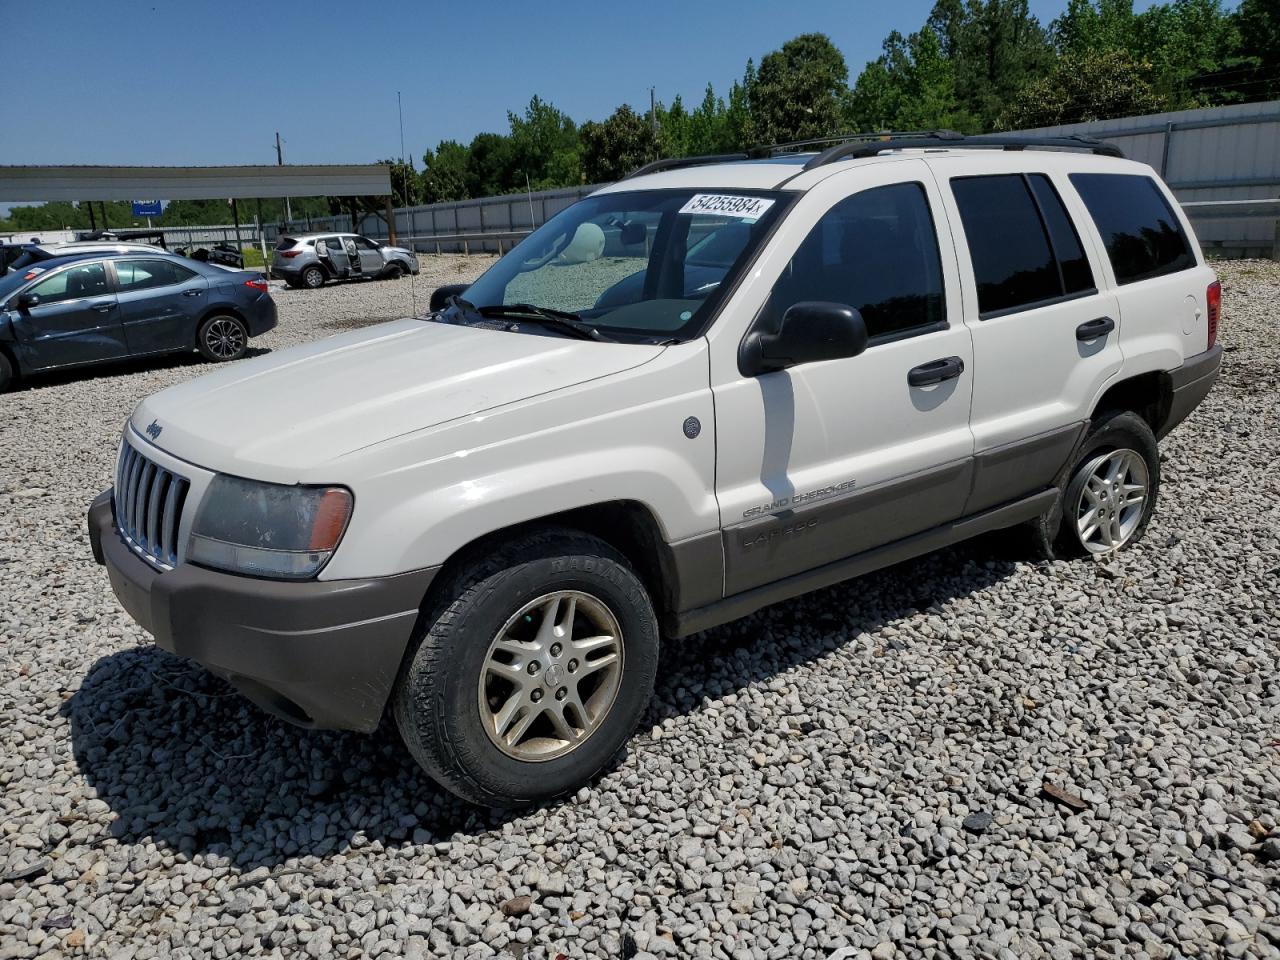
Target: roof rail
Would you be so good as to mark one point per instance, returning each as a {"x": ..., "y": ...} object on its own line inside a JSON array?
[
  {"x": 675, "y": 163},
  {"x": 947, "y": 139},
  {"x": 814, "y": 143}
]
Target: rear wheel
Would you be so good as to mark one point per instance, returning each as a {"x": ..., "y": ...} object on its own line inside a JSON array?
[
  {"x": 535, "y": 667},
  {"x": 1109, "y": 493},
  {"x": 313, "y": 277},
  {"x": 222, "y": 337}
]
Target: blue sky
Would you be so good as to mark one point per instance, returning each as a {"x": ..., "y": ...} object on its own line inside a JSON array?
[{"x": 197, "y": 82}]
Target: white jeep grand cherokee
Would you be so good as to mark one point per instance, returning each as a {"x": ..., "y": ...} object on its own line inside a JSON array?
[{"x": 703, "y": 389}]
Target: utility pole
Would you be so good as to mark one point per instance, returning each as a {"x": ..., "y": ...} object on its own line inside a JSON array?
[
  {"x": 288, "y": 211},
  {"x": 653, "y": 120}
]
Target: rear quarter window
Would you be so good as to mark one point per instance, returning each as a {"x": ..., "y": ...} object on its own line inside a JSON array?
[
  {"x": 1139, "y": 229},
  {"x": 286, "y": 243}
]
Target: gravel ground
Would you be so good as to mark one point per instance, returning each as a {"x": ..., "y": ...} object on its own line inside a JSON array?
[{"x": 860, "y": 772}]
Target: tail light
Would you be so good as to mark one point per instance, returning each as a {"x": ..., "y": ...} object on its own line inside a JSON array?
[
  {"x": 258, "y": 284},
  {"x": 1213, "y": 297},
  {"x": 288, "y": 254}
]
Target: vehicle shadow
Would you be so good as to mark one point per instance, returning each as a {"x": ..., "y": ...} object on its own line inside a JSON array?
[
  {"x": 120, "y": 368},
  {"x": 185, "y": 763}
]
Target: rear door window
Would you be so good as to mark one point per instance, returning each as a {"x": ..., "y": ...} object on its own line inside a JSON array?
[
  {"x": 1139, "y": 229},
  {"x": 1076, "y": 275},
  {"x": 1013, "y": 264},
  {"x": 145, "y": 274}
]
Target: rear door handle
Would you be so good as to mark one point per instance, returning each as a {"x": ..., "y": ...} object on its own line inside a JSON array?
[
  {"x": 948, "y": 368},
  {"x": 1094, "y": 329},
  {"x": 103, "y": 307}
]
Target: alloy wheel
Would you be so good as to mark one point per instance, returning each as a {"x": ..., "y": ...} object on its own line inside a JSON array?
[
  {"x": 224, "y": 338},
  {"x": 551, "y": 675},
  {"x": 1111, "y": 502}
]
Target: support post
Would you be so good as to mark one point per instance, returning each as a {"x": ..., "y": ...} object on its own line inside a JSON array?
[
  {"x": 235, "y": 218},
  {"x": 93, "y": 220},
  {"x": 1164, "y": 156},
  {"x": 391, "y": 222}
]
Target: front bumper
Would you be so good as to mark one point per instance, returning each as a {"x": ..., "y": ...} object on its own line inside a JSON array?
[
  {"x": 1190, "y": 384},
  {"x": 321, "y": 654}
]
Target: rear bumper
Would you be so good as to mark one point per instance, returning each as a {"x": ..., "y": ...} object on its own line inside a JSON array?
[
  {"x": 321, "y": 654},
  {"x": 1190, "y": 384},
  {"x": 263, "y": 317}
]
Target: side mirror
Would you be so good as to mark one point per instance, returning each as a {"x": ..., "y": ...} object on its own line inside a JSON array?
[
  {"x": 28, "y": 300},
  {"x": 810, "y": 331},
  {"x": 440, "y": 298}
]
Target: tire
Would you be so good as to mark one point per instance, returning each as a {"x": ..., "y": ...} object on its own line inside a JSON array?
[
  {"x": 394, "y": 272},
  {"x": 222, "y": 337},
  {"x": 449, "y": 694},
  {"x": 7, "y": 377},
  {"x": 313, "y": 277},
  {"x": 1116, "y": 438}
]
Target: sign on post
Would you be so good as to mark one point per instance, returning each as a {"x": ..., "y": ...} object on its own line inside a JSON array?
[{"x": 146, "y": 208}]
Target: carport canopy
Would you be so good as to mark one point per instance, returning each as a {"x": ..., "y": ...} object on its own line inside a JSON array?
[{"x": 75, "y": 183}]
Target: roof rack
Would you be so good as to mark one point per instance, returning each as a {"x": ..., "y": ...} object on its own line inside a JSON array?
[
  {"x": 675, "y": 163},
  {"x": 816, "y": 143},
  {"x": 945, "y": 139}
]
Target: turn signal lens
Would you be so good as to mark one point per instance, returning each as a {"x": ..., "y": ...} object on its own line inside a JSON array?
[{"x": 1213, "y": 297}]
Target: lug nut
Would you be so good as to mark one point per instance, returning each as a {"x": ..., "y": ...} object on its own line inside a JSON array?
[
  {"x": 534, "y": 667},
  {"x": 562, "y": 693},
  {"x": 535, "y": 696},
  {"x": 573, "y": 665},
  {"x": 555, "y": 649}
]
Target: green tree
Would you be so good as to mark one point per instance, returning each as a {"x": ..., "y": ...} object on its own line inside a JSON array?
[
  {"x": 544, "y": 141},
  {"x": 995, "y": 47},
  {"x": 911, "y": 86},
  {"x": 444, "y": 172},
  {"x": 1094, "y": 85},
  {"x": 798, "y": 90},
  {"x": 1258, "y": 25},
  {"x": 1085, "y": 27},
  {"x": 613, "y": 148},
  {"x": 491, "y": 164}
]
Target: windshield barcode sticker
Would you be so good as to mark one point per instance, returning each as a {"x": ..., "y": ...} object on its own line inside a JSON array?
[{"x": 724, "y": 205}]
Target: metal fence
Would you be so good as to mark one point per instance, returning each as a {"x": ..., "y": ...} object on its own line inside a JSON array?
[{"x": 1208, "y": 156}]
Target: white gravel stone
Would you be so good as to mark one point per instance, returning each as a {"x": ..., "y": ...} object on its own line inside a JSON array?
[{"x": 800, "y": 787}]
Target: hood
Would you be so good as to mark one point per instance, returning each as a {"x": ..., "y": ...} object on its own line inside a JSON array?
[
  {"x": 280, "y": 416},
  {"x": 391, "y": 249}
]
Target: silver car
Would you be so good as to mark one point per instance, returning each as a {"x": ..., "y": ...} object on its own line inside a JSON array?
[{"x": 314, "y": 259}]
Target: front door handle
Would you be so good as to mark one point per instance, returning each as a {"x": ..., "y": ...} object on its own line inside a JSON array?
[
  {"x": 1094, "y": 329},
  {"x": 102, "y": 307},
  {"x": 948, "y": 368},
  {"x": 192, "y": 293}
]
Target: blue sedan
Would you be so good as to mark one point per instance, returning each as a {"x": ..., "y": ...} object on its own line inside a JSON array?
[{"x": 92, "y": 308}]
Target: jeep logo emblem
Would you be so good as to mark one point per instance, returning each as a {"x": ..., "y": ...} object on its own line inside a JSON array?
[{"x": 153, "y": 429}]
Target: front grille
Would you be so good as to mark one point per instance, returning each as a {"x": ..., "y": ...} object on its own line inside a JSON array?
[{"x": 148, "y": 502}]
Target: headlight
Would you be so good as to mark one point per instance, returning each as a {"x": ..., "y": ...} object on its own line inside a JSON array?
[{"x": 268, "y": 529}]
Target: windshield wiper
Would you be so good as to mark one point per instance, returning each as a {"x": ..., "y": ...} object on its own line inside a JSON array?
[{"x": 560, "y": 320}]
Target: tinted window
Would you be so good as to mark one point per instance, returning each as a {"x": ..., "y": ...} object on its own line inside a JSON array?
[
  {"x": 1141, "y": 233},
  {"x": 89, "y": 280},
  {"x": 1012, "y": 261},
  {"x": 286, "y": 243},
  {"x": 145, "y": 274},
  {"x": 876, "y": 251},
  {"x": 1076, "y": 275}
]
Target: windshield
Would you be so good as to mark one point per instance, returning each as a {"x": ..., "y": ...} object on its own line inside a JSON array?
[{"x": 647, "y": 264}]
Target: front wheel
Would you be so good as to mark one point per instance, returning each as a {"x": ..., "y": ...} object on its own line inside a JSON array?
[
  {"x": 222, "y": 337},
  {"x": 394, "y": 272},
  {"x": 6, "y": 373},
  {"x": 536, "y": 665}
]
